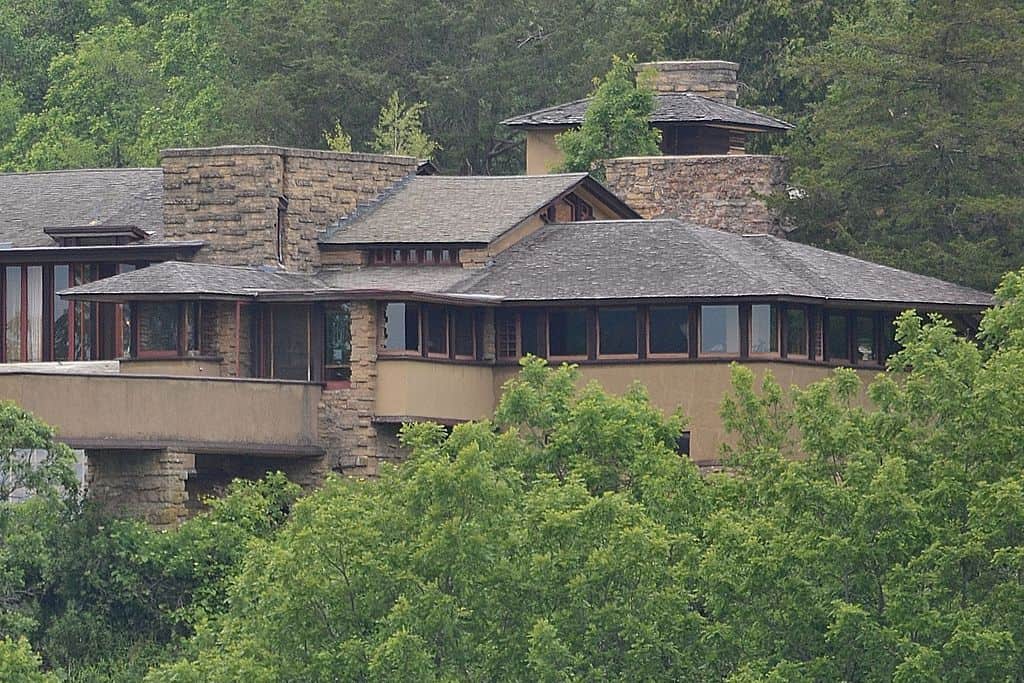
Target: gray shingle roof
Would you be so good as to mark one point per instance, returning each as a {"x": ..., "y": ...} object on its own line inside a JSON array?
[
  {"x": 668, "y": 108},
  {"x": 450, "y": 209},
  {"x": 115, "y": 196},
  {"x": 177, "y": 278},
  {"x": 670, "y": 259},
  {"x": 593, "y": 260}
]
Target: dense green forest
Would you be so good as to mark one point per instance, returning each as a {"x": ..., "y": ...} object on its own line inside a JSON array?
[
  {"x": 566, "y": 540},
  {"x": 911, "y": 113}
]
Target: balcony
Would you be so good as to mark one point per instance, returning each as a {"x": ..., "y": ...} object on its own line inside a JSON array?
[{"x": 93, "y": 406}]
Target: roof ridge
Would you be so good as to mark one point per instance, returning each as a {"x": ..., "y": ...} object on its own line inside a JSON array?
[{"x": 55, "y": 171}]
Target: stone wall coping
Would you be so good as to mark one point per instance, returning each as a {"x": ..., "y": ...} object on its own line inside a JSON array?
[
  {"x": 689, "y": 65},
  {"x": 694, "y": 157},
  {"x": 133, "y": 376},
  {"x": 264, "y": 150}
]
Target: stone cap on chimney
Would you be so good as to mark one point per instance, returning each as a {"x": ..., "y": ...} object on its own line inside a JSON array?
[{"x": 712, "y": 78}]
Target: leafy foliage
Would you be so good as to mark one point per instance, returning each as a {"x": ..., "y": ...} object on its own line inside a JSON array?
[
  {"x": 914, "y": 157},
  {"x": 400, "y": 131},
  {"x": 616, "y": 122}
]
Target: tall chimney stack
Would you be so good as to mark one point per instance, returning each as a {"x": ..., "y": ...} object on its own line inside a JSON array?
[{"x": 714, "y": 79}]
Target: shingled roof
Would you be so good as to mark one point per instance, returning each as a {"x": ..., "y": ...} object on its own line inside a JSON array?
[
  {"x": 669, "y": 108},
  {"x": 30, "y": 202},
  {"x": 178, "y": 279},
  {"x": 457, "y": 209},
  {"x": 610, "y": 260}
]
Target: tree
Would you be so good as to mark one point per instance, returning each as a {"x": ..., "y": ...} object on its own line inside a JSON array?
[
  {"x": 49, "y": 473},
  {"x": 337, "y": 139},
  {"x": 616, "y": 123},
  {"x": 399, "y": 130},
  {"x": 914, "y": 157}
]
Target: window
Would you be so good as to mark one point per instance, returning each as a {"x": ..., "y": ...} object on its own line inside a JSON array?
[
  {"x": 282, "y": 213},
  {"x": 429, "y": 257},
  {"x": 720, "y": 330},
  {"x": 616, "y": 332},
  {"x": 158, "y": 328},
  {"x": 446, "y": 256},
  {"x": 864, "y": 340},
  {"x": 567, "y": 333},
  {"x": 531, "y": 326},
  {"x": 837, "y": 343},
  {"x": 289, "y": 342},
  {"x": 889, "y": 344},
  {"x": 61, "y": 314},
  {"x": 683, "y": 443},
  {"x": 505, "y": 334},
  {"x": 465, "y": 333},
  {"x": 12, "y": 314},
  {"x": 411, "y": 257},
  {"x": 669, "y": 330},
  {"x": 337, "y": 344},
  {"x": 437, "y": 330},
  {"x": 401, "y": 327},
  {"x": 796, "y": 332},
  {"x": 764, "y": 329}
]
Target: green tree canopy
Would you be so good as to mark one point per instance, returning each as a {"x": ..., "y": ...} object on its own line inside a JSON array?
[
  {"x": 616, "y": 123},
  {"x": 400, "y": 131},
  {"x": 914, "y": 158}
]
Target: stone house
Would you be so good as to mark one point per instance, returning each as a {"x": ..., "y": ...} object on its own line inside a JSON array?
[{"x": 249, "y": 308}]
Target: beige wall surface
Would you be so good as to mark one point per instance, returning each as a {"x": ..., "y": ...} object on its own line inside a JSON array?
[
  {"x": 542, "y": 154},
  {"x": 440, "y": 391},
  {"x": 203, "y": 367},
  {"x": 697, "y": 388},
  {"x": 191, "y": 413}
]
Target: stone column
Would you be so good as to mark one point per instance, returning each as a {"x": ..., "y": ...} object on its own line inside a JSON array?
[{"x": 148, "y": 485}]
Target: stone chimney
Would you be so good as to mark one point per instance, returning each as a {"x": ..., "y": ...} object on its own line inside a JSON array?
[{"x": 714, "y": 78}]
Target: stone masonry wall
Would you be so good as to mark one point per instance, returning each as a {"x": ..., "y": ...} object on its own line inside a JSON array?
[
  {"x": 229, "y": 197},
  {"x": 725, "y": 192},
  {"x": 715, "y": 79},
  {"x": 217, "y": 337},
  {"x": 347, "y": 432},
  {"x": 149, "y": 485}
]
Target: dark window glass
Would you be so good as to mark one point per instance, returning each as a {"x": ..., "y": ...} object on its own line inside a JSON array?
[
  {"x": 465, "y": 339},
  {"x": 401, "y": 327},
  {"x": 445, "y": 256},
  {"x": 338, "y": 343},
  {"x": 61, "y": 317},
  {"x": 290, "y": 344},
  {"x": 505, "y": 333},
  {"x": 396, "y": 256},
  {"x": 889, "y": 345},
  {"x": 437, "y": 330},
  {"x": 429, "y": 257},
  {"x": 530, "y": 322},
  {"x": 836, "y": 342},
  {"x": 84, "y": 313},
  {"x": 567, "y": 332},
  {"x": 158, "y": 327},
  {"x": 192, "y": 326},
  {"x": 411, "y": 256},
  {"x": 864, "y": 341},
  {"x": 12, "y": 314},
  {"x": 796, "y": 332},
  {"x": 719, "y": 329},
  {"x": 617, "y": 327},
  {"x": 683, "y": 444},
  {"x": 764, "y": 325},
  {"x": 34, "y": 314},
  {"x": 670, "y": 329}
]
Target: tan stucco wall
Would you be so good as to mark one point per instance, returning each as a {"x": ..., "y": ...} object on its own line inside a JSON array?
[
  {"x": 697, "y": 388},
  {"x": 440, "y": 391},
  {"x": 192, "y": 413},
  {"x": 542, "y": 154},
  {"x": 194, "y": 367}
]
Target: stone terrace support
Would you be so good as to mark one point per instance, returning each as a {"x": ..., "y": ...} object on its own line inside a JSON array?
[
  {"x": 231, "y": 197},
  {"x": 149, "y": 485},
  {"x": 725, "y": 192}
]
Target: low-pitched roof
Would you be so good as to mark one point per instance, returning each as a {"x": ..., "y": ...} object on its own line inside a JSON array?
[
  {"x": 30, "y": 202},
  {"x": 669, "y": 108},
  {"x": 180, "y": 279},
  {"x": 612, "y": 260},
  {"x": 588, "y": 261},
  {"x": 457, "y": 209}
]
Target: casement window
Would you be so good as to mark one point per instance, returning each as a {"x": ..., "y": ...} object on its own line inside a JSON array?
[
  {"x": 506, "y": 335},
  {"x": 401, "y": 328},
  {"x": 436, "y": 330},
  {"x": 567, "y": 333},
  {"x": 720, "y": 330},
  {"x": 464, "y": 333},
  {"x": 413, "y": 257},
  {"x": 531, "y": 333},
  {"x": 837, "y": 340},
  {"x": 683, "y": 443},
  {"x": 865, "y": 339},
  {"x": 796, "y": 332},
  {"x": 616, "y": 333},
  {"x": 287, "y": 333},
  {"x": 282, "y": 228},
  {"x": 337, "y": 343},
  {"x": 668, "y": 331},
  {"x": 159, "y": 328},
  {"x": 23, "y": 313},
  {"x": 764, "y": 329}
]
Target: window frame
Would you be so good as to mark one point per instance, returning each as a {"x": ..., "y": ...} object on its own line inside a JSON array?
[
  {"x": 425, "y": 311},
  {"x": 700, "y": 332},
  {"x": 776, "y": 332},
  {"x": 635, "y": 355},
  {"x": 382, "y": 331},
  {"x": 453, "y": 327},
  {"x": 586, "y": 331},
  {"x": 328, "y": 363}
]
